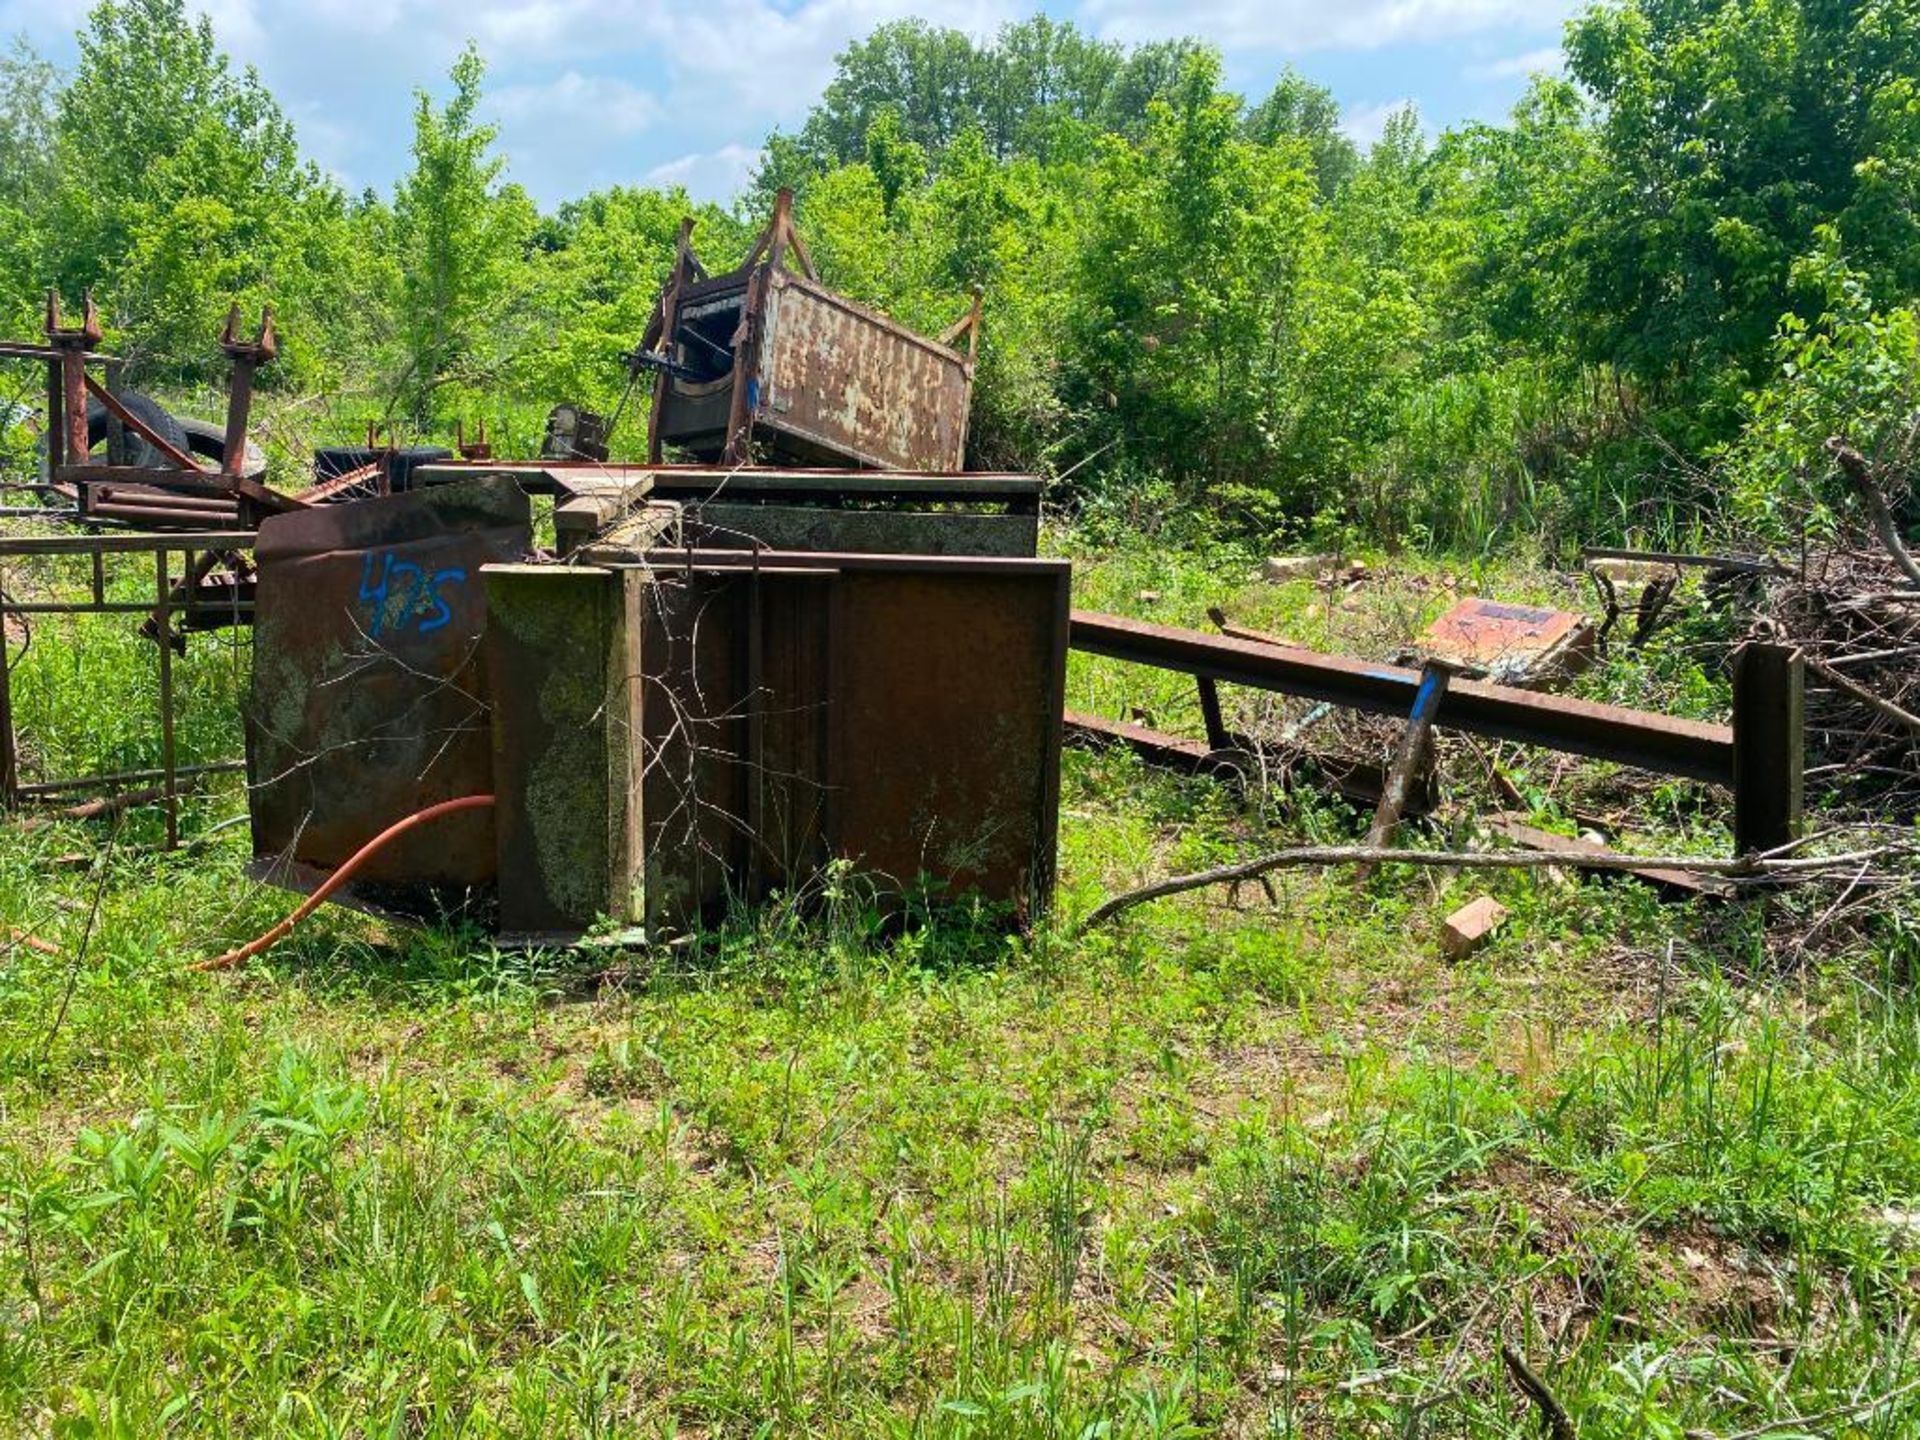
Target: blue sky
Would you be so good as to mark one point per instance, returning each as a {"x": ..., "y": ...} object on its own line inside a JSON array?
[{"x": 589, "y": 93}]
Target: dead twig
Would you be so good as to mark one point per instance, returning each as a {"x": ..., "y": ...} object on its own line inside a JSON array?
[
  {"x": 1861, "y": 693},
  {"x": 1816, "y": 1423},
  {"x": 1559, "y": 1423},
  {"x": 1653, "y": 606},
  {"x": 1755, "y": 867},
  {"x": 1860, "y": 476}
]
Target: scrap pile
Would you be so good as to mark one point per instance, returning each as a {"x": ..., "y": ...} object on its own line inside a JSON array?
[
  {"x": 1854, "y": 614},
  {"x": 798, "y": 636}
]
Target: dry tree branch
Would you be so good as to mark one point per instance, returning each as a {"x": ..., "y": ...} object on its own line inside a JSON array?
[
  {"x": 1860, "y": 476},
  {"x": 1861, "y": 693},
  {"x": 1811, "y": 1424},
  {"x": 1559, "y": 1423},
  {"x": 1746, "y": 867}
]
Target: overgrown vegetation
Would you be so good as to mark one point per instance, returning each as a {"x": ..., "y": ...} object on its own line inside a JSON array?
[
  {"x": 1234, "y": 1167},
  {"x": 1631, "y": 308},
  {"x": 1241, "y": 1164}
]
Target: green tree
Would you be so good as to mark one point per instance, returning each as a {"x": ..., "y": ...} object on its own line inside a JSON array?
[
  {"x": 180, "y": 188},
  {"x": 461, "y": 238},
  {"x": 1298, "y": 107},
  {"x": 1733, "y": 130},
  {"x": 28, "y": 173},
  {"x": 1193, "y": 261}
]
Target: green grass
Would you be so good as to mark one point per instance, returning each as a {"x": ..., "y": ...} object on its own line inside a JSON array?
[{"x": 1222, "y": 1168}]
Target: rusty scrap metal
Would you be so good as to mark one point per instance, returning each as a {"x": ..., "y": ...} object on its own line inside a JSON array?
[
  {"x": 367, "y": 698},
  {"x": 1759, "y": 757},
  {"x": 1512, "y": 644},
  {"x": 1607, "y": 732},
  {"x": 765, "y": 357},
  {"x": 247, "y": 357}
]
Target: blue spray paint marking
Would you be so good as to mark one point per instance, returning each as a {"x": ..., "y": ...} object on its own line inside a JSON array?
[
  {"x": 417, "y": 589},
  {"x": 1424, "y": 694}
]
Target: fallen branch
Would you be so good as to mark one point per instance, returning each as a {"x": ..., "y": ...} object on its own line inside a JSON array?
[
  {"x": 109, "y": 805},
  {"x": 1816, "y": 1423},
  {"x": 1746, "y": 867},
  {"x": 1559, "y": 1423},
  {"x": 1860, "y": 475},
  {"x": 1861, "y": 693}
]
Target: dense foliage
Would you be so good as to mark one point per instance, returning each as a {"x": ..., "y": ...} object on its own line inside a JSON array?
[{"x": 1641, "y": 303}]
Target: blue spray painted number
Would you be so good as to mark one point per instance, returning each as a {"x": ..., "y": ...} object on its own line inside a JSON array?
[{"x": 384, "y": 578}]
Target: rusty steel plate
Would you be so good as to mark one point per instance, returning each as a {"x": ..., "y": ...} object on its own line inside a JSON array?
[
  {"x": 367, "y": 700},
  {"x": 1511, "y": 643},
  {"x": 837, "y": 379},
  {"x": 901, "y": 713}
]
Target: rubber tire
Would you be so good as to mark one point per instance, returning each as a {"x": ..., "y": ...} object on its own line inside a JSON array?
[
  {"x": 332, "y": 460},
  {"x": 209, "y": 441},
  {"x": 140, "y": 452}
]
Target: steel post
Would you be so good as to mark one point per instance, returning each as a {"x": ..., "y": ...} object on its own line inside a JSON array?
[
  {"x": 1769, "y": 700},
  {"x": 169, "y": 779}
]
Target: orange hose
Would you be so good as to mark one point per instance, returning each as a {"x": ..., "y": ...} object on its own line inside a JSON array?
[{"x": 340, "y": 877}]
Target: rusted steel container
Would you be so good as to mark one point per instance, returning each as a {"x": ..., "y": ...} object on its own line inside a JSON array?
[
  {"x": 765, "y": 362},
  {"x": 368, "y": 698},
  {"x": 900, "y": 713}
]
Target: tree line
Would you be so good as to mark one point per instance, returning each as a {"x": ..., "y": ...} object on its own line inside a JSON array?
[{"x": 1639, "y": 305}]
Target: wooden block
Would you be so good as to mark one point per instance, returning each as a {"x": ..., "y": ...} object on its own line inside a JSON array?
[{"x": 1471, "y": 926}]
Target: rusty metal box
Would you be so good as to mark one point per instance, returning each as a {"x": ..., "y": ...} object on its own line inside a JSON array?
[
  {"x": 368, "y": 701},
  {"x": 765, "y": 362}
]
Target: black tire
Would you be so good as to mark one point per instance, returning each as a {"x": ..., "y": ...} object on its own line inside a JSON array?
[
  {"x": 332, "y": 460},
  {"x": 140, "y": 451},
  {"x": 209, "y": 441}
]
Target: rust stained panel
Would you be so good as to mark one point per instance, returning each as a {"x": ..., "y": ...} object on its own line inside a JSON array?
[
  {"x": 1515, "y": 642},
  {"x": 844, "y": 380},
  {"x": 692, "y": 796},
  {"x": 946, "y": 715},
  {"x": 904, "y": 713},
  {"x": 367, "y": 698}
]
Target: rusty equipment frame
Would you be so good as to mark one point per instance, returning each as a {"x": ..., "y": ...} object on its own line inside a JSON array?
[
  {"x": 187, "y": 494},
  {"x": 166, "y": 605},
  {"x": 1759, "y": 757},
  {"x": 823, "y": 377}
]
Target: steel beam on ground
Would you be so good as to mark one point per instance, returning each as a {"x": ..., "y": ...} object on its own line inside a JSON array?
[{"x": 1607, "y": 732}]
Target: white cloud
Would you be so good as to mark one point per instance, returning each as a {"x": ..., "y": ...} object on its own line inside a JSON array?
[
  {"x": 1550, "y": 61},
  {"x": 711, "y": 174},
  {"x": 771, "y": 60},
  {"x": 602, "y": 102},
  {"x": 1297, "y": 25},
  {"x": 1365, "y": 124}
]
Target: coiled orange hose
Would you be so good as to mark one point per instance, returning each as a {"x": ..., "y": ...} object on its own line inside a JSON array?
[{"x": 340, "y": 877}]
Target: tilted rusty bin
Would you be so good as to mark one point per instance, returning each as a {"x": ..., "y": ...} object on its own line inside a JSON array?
[{"x": 765, "y": 361}]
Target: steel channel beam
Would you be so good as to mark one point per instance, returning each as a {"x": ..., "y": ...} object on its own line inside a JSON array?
[
  {"x": 43, "y": 788},
  {"x": 1605, "y": 732},
  {"x": 120, "y": 544}
]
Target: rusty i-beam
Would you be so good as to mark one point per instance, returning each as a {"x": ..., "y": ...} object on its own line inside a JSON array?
[{"x": 1758, "y": 757}]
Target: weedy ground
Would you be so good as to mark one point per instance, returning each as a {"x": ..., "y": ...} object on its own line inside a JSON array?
[{"x": 1228, "y": 1167}]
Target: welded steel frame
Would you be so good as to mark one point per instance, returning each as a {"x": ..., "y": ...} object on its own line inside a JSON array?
[{"x": 163, "y": 609}]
